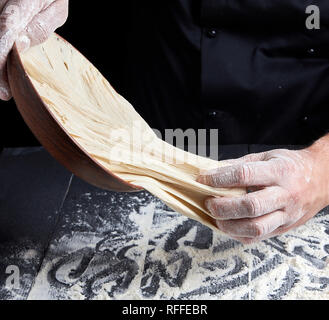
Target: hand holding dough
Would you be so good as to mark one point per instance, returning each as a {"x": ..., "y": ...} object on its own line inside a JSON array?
[
  {"x": 291, "y": 187},
  {"x": 28, "y": 23}
]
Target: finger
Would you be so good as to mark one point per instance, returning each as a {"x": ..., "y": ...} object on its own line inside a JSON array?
[
  {"x": 252, "y": 205},
  {"x": 260, "y": 173},
  {"x": 248, "y": 241},
  {"x": 15, "y": 16},
  {"x": 277, "y": 232},
  {"x": 43, "y": 25},
  {"x": 273, "y": 234},
  {"x": 252, "y": 157},
  {"x": 256, "y": 228},
  {"x": 5, "y": 92},
  {"x": 8, "y": 15}
]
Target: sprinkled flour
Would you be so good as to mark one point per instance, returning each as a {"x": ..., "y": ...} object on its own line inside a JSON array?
[{"x": 133, "y": 247}]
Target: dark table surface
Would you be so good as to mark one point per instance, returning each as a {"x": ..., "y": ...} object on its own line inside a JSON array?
[{"x": 70, "y": 240}]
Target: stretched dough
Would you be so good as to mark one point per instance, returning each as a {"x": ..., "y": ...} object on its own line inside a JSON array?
[{"x": 113, "y": 133}]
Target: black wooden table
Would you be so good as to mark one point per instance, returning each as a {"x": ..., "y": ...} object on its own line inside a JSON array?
[{"x": 69, "y": 240}]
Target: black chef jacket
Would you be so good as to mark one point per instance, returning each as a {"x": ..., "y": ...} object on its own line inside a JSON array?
[{"x": 250, "y": 68}]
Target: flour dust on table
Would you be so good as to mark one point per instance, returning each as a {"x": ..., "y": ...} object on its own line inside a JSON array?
[{"x": 119, "y": 246}]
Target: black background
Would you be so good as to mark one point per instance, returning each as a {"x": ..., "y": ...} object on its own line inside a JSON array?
[
  {"x": 98, "y": 31},
  {"x": 102, "y": 31}
]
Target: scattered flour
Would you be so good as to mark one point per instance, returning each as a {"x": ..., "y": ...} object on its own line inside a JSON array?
[{"x": 167, "y": 256}]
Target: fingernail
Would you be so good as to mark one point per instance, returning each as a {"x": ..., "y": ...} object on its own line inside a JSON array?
[
  {"x": 201, "y": 179},
  {"x": 203, "y": 176},
  {"x": 23, "y": 43}
]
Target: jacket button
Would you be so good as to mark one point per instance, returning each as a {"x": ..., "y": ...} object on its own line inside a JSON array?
[
  {"x": 212, "y": 33},
  {"x": 212, "y": 113}
]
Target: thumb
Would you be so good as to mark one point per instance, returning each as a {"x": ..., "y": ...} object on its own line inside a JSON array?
[{"x": 43, "y": 25}]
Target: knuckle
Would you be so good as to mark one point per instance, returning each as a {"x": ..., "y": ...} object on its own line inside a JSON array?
[
  {"x": 244, "y": 173},
  {"x": 267, "y": 155},
  {"x": 287, "y": 166},
  {"x": 281, "y": 170},
  {"x": 224, "y": 209},
  {"x": 257, "y": 229},
  {"x": 43, "y": 31},
  {"x": 252, "y": 206},
  {"x": 280, "y": 167},
  {"x": 294, "y": 197},
  {"x": 40, "y": 32}
]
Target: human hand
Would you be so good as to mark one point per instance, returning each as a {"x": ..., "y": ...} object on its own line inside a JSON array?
[
  {"x": 28, "y": 23},
  {"x": 289, "y": 187}
]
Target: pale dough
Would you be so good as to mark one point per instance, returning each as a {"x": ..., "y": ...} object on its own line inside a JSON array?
[{"x": 93, "y": 113}]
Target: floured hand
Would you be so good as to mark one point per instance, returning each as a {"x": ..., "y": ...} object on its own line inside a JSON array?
[
  {"x": 289, "y": 187},
  {"x": 28, "y": 23}
]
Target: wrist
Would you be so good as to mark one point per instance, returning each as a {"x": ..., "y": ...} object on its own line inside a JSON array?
[{"x": 319, "y": 153}]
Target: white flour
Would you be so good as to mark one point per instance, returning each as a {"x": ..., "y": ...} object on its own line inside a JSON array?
[{"x": 163, "y": 265}]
